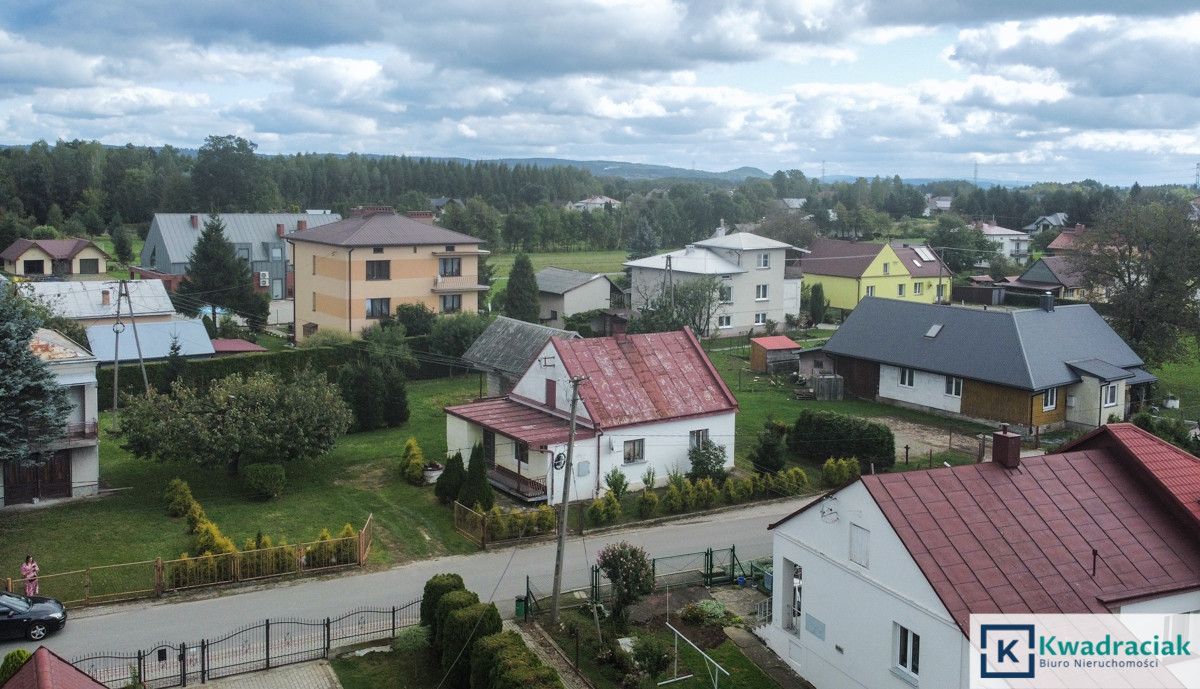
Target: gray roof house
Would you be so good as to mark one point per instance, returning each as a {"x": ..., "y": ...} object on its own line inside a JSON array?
[
  {"x": 154, "y": 338},
  {"x": 563, "y": 292},
  {"x": 506, "y": 348},
  {"x": 1037, "y": 368},
  {"x": 257, "y": 237},
  {"x": 1047, "y": 222},
  {"x": 95, "y": 302}
]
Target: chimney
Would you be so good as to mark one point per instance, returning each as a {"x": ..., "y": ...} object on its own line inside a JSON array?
[
  {"x": 421, "y": 216},
  {"x": 368, "y": 211},
  {"x": 279, "y": 229},
  {"x": 195, "y": 221},
  {"x": 1006, "y": 448},
  {"x": 105, "y": 297},
  {"x": 301, "y": 225},
  {"x": 1048, "y": 301},
  {"x": 689, "y": 248}
]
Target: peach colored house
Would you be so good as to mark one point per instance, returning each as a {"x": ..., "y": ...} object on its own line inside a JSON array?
[
  {"x": 40, "y": 257},
  {"x": 351, "y": 273}
]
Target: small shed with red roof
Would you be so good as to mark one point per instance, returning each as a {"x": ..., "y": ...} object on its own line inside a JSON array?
[
  {"x": 772, "y": 351},
  {"x": 224, "y": 346}
]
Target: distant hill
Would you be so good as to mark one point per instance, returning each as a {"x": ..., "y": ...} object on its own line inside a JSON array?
[
  {"x": 616, "y": 168},
  {"x": 983, "y": 183}
]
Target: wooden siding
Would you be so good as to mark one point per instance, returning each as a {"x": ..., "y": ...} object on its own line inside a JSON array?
[
  {"x": 860, "y": 377},
  {"x": 989, "y": 401},
  {"x": 1056, "y": 415}
]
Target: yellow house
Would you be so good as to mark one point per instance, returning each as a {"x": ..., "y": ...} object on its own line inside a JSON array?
[
  {"x": 41, "y": 257},
  {"x": 351, "y": 273},
  {"x": 849, "y": 271}
]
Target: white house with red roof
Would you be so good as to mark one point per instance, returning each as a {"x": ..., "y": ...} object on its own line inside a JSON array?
[
  {"x": 874, "y": 584},
  {"x": 645, "y": 400}
]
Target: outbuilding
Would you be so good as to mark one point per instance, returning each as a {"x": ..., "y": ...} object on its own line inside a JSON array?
[{"x": 772, "y": 353}]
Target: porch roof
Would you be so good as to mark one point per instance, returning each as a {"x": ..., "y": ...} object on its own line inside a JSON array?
[{"x": 530, "y": 425}]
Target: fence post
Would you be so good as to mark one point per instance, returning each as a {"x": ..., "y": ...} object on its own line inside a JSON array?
[
  {"x": 183, "y": 665},
  {"x": 393, "y": 621},
  {"x": 237, "y": 566},
  {"x": 158, "y": 577},
  {"x": 326, "y": 638},
  {"x": 87, "y": 585},
  {"x": 141, "y": 668},
  {"x": 8, "y": 584},
  {"x": 203, "y": 660},
  {"x": 733, "y": 563},
  {"x": 483, "y": 531},
  {"x": 268, "y": 645}
]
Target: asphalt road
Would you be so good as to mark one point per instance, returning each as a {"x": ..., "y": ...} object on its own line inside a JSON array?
[{"x": 498, "y": 574}]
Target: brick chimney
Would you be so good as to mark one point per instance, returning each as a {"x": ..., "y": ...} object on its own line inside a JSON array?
[
  {"x": 1006, "y": 448},
  {"x": 301, "y": 225},
  {"x": 195, "y": 221},
  {"x": 279, "y": 231},
  {"x": 105, "y": 297},
  {"x": 421, "y": 216},
  {"x": 368, "y": 211}
]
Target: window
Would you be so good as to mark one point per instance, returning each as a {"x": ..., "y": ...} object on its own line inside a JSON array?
[
  {"x": 724, "y": 321},
  {"x": 953, "y": 386},
  {"x": 870, "y": 290},
  {"x": 244, "y": 254},
  {"x": 726, "y": 294},
  {"x": 277, "y": 253},
  {"x": 1050, "y": 399},
  {"x": 908, "y": 651},
  {"x": 34, "y": 267},
  {"x": 377, "y": 249},
  {"x": 760, "y": 293},
  {"x": 451, "y": 303},
  {"x": 887, "y": 268},
  {"x": 860, "y": 540},
  {"x": 796, "y": 604},
  {"x": 314, "y": 264},
  {"x": 379, "y": 270},
  {"x": 697, "y": 438},
  {"x": 551, "y": 392},
  {"x": 378, "y": 308},
  {"x": 521, "y": 452},
  {"x": 450, "y": 248},
  {"x": 941, "y": 291},
  {"x": 764, "y": 260},
  {"x": 760, "y": 319},
  {"x": 449, "y": 266},
  {"x": 907, "y": 377},
  {"x": 553, "y": 315},
  {"x": 917, "y": 287},
  {"x": 314, "y": 301},
  {"x": 1110, "y": 395},
  {"x": 635, "y": 451},
  {"x": 89, "y": 266},
  {"x": 900, "y": 290}
]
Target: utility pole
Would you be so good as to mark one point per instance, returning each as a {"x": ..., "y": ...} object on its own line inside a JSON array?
[
  {"x": 123, "y": 291},
  {"x": 566, "y": 500},
  {"x": 671, "y": 283},
  {"x": 118, "y": 327}
]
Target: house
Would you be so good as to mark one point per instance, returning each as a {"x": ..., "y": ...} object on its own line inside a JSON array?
[
  {"x": 1056, "y": 275},
  {"x": 791, "y": 205},
  {"x": 506, "y": 348},
  {"x": 356, "y": 271},
  {"x": 850, "y": 271},
  {"x": 644, "y": 401},
  {"x": 1065, "y": 242},
  {"x": 563, "y": 293},
  {"x": 73, "y": 467},
  {"x": 1037, "y": 369},
  {"x": 754, "y": 283},
  {"x": 34, "y": 258},
  {"x": 95, "y": 303},
  {"x": 1054, "y": 221},
  {"x": 154, "y": 339},
  {"x": 258, "y": 238},
  {"x": 47, "y": 670},
  {"x": 937, "y": 204},
  {"x": 438, "y": 205},
  {"x": 875, "y": 584},
  {"x": 1012, "y": 244},
  {"x": 234, "y": 345},
  {"x": 594, "y": 203}
]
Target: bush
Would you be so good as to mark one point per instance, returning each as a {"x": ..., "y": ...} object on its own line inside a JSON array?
[
  {"x": 503, "y": 661},
  {"x": 413, "y": 462},
  {"x": 839, "y": 472},
  {"x": 209, "y": 540},
  {"x": 708, "y": 461},
  {"x": 347, "y": 545},
  {"x": 498, "y": 524},
  {"x": 454, "y": 600},
  {"x": 768, "y": 455},
  {"x": 463, "y": 628},
  {"x": 475, "y": 488},
  {"x": 652, "y": 656},
  {"x": 617, "y": 484},
  {"x": 596, "y": 514},
  {"x": 450, "y": 482},
  {"x": 708, "y": 611},
  {"x": 437, "y": 586},
  {"x": 647, "y": 504},
  {"x": 265, "y": 481},
  {"x": 485, "y": 657},
  {"x": 819, "y": 435},
  {"x": 649, "y": 478},
  {"x": 546, "y": 518},
  {"x": 411, "y": 639},
  {"x": 738, "y": 490},
  {"x": 706, "y": 493},
  {"x": 195, "y": 517},
  {"x": 673, "y": 499},
  {"x": 178, "y": 497},
  {"x": 629, "y": 571},
  {"x": 795, "y": 480},
  {"x": 13, "y": 662}
]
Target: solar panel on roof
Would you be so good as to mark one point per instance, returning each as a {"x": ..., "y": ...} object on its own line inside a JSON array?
[
  {"x": 933, "y": 330},
  {"x": 924, "y": 252}
]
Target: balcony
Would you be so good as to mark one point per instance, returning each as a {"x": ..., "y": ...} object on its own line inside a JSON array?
[
  {"x": 75, "y": 435},
  {"x": 521, "y": 487}
]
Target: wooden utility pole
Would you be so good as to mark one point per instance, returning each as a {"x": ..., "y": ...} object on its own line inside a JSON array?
[
  {"x": 566, "y": 501},
  {"x": 123, "y": 291},
  {"x": 117, "y": 328}
]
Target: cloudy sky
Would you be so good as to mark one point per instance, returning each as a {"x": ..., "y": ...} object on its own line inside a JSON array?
[{"x": 1028, "y": 89}]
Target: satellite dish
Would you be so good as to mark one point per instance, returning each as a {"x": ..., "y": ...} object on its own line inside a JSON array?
[
  {"x": 829, "y": 510},
  {"x": 560, "y": 461}
]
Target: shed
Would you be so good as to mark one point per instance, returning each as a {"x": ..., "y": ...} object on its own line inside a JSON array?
[{"x": 767, "y": 353}]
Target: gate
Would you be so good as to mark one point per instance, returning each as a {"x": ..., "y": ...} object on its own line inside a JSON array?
[{"x": 471, "y": 524}]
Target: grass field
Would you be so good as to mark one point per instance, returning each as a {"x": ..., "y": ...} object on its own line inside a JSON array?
[
  {"x": 105, "y": 243},
  {"x": 397, "y": 670},
  {"x": 1182, "y": 379},
  {"x": 588, "y": 261}
]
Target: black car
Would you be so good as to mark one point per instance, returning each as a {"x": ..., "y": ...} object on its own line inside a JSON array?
[{"x": 31, "y": 618}]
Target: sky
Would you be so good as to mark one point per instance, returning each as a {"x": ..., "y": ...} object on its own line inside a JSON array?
[{"x": 1029, "y": 90}]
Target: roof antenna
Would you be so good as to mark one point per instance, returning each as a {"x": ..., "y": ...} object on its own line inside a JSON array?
[{"x": 1095, "y": 555}]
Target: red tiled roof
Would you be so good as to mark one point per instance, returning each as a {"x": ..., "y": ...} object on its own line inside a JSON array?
[
  {"x": 46, "y": 670},
  {"x": 994, "y": 540},
  {"x": 774, "y": 342},
  {"x": 648, "y": 377},
  {"x": 533, "y": 426},
  {"x": 235, "y": 346},
  {"x": 58, "y": 249}
]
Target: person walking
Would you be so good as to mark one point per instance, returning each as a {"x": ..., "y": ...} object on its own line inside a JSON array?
[{"x": 29, "y": 572}]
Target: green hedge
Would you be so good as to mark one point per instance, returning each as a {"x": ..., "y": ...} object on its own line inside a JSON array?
[
  {"x": 463, "y": 628},
  {"x": 446, "y": 605},
  {"x": 437, "y": 586},
  {"x": 503, "y": 661},
  {"x": 818, "y": 435}
]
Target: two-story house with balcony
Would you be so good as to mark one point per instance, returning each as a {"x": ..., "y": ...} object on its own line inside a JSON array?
[
  {"x": 72, "y": 464},
  {"x": 1011, "y": 244},
  {"x": 353, "y": 272},
  {"x": 755, "y": 283}
]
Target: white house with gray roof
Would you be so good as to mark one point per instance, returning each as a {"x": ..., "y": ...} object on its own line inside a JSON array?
[
  {"x": 563, "y": 292},
  {"x": 1037, "y": 369},
  {"x": 95, "y": 302},
  {"x": 506, "y": 348},
  {"x": 754, "y": 284},
  {"x": 258, "y": 238}
]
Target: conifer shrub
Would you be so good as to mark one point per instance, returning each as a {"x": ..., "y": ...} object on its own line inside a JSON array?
[
  {"x": 178, "y": 498},
  {"x": 647, "y": 504},
  {"x": 265, "y": 481},
  {"x": 437, "y": 586},
  {"x": 450, "y": 482},
  {"x": 463, "y": 628}
]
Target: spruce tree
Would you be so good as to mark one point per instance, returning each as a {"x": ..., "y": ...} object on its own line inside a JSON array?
[
  {"x": 644, "y": 241},
  {"x": 450, "y": 482},
  {"x": 216, "y": 276},
  {"x": 122, "y": 244},
  {"x": 475, "y": 488},
  {"x": 33, "y": 407},
  {"x": 173, "y": 366},
  {"x": 521, "y": 292}
]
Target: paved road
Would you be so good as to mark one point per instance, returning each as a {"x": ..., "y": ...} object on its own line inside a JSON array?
[{"x": 144, "y": 624}]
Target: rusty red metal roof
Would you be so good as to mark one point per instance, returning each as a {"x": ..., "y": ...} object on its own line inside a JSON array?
[
  {"x": 774, "y": 342},
  {"x": 234, "y": 345},
  {"x": 46, "y": 670},
  {"x": 531, "y": 425},
  {"x": 995, "y": 540},
  {"x": 647, "y": 377}
]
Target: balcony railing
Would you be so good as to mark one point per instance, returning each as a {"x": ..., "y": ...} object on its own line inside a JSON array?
[
  {"x": 516, "y": 484},
  {"x": 81, "y": 431}
]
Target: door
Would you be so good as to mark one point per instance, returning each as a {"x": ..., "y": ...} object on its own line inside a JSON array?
[
  {"x": 489, "y": 448},
  {"x": 277, "y": 288},
  {"x": 22, "y": 484}
]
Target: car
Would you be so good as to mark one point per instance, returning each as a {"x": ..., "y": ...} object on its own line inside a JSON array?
[{"x": 32, "y": 618}]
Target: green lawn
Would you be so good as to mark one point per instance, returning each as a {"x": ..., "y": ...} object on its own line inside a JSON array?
[
  {"x": 357, "y": 478},
  {"x": 590, "y": 261},
  {"x": 1182, "y": 379},
  {"x": 273, "y": 343},
  {"x": 105, "y": 243},
  {"x": 397, "y": 670}
]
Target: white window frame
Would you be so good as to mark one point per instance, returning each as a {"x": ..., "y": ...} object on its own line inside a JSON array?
[
  {"x": 725, "y": 294},
  {"x": 387, "y": 311},
  {"x": 906, "y": 652},
  {"x": 764, "y": 260},
  {"x": 724, "y": 322},
  {"x": 1109, "y": 395},
  {"x": 917, "y": 289},
  {"x": 900, "y": 290},
  {"x": 860, "y": 546},
  {"x": 870, "y": 290},
  {"x": 1050, "y": 399},
  {"x": 760, "y": 318},
  {"x": 697, "y": 437},
  {"x": 954, "y": 386},
  {"x": 887, "y": 269},
  {"x": 908, "y": 377},
  {"x": 761, "y": 292},
  {"x": 635, "y": 448},
  {"x": 450, "y": 297}
]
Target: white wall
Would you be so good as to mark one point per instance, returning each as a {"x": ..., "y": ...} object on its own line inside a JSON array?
[
  {"x": 859, "y": 605},
  {"x": 1088, "y": 410},
  {"x": 1175, "y": 603},
  {"x": 550, "y": 309},
  {"x": 532, "y": 385},
  {"x": 928, "y": 390},
  {"x": 85, "y": 471},
  {"x": 590, "y": 295},
  {"x": 461, "y": 436}
]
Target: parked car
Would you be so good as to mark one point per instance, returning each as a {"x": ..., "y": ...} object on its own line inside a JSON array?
[{"x": 31, "y": 618}]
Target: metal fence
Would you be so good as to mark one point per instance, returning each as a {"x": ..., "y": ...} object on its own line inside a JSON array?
[{"x": 262, "y": 646}]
